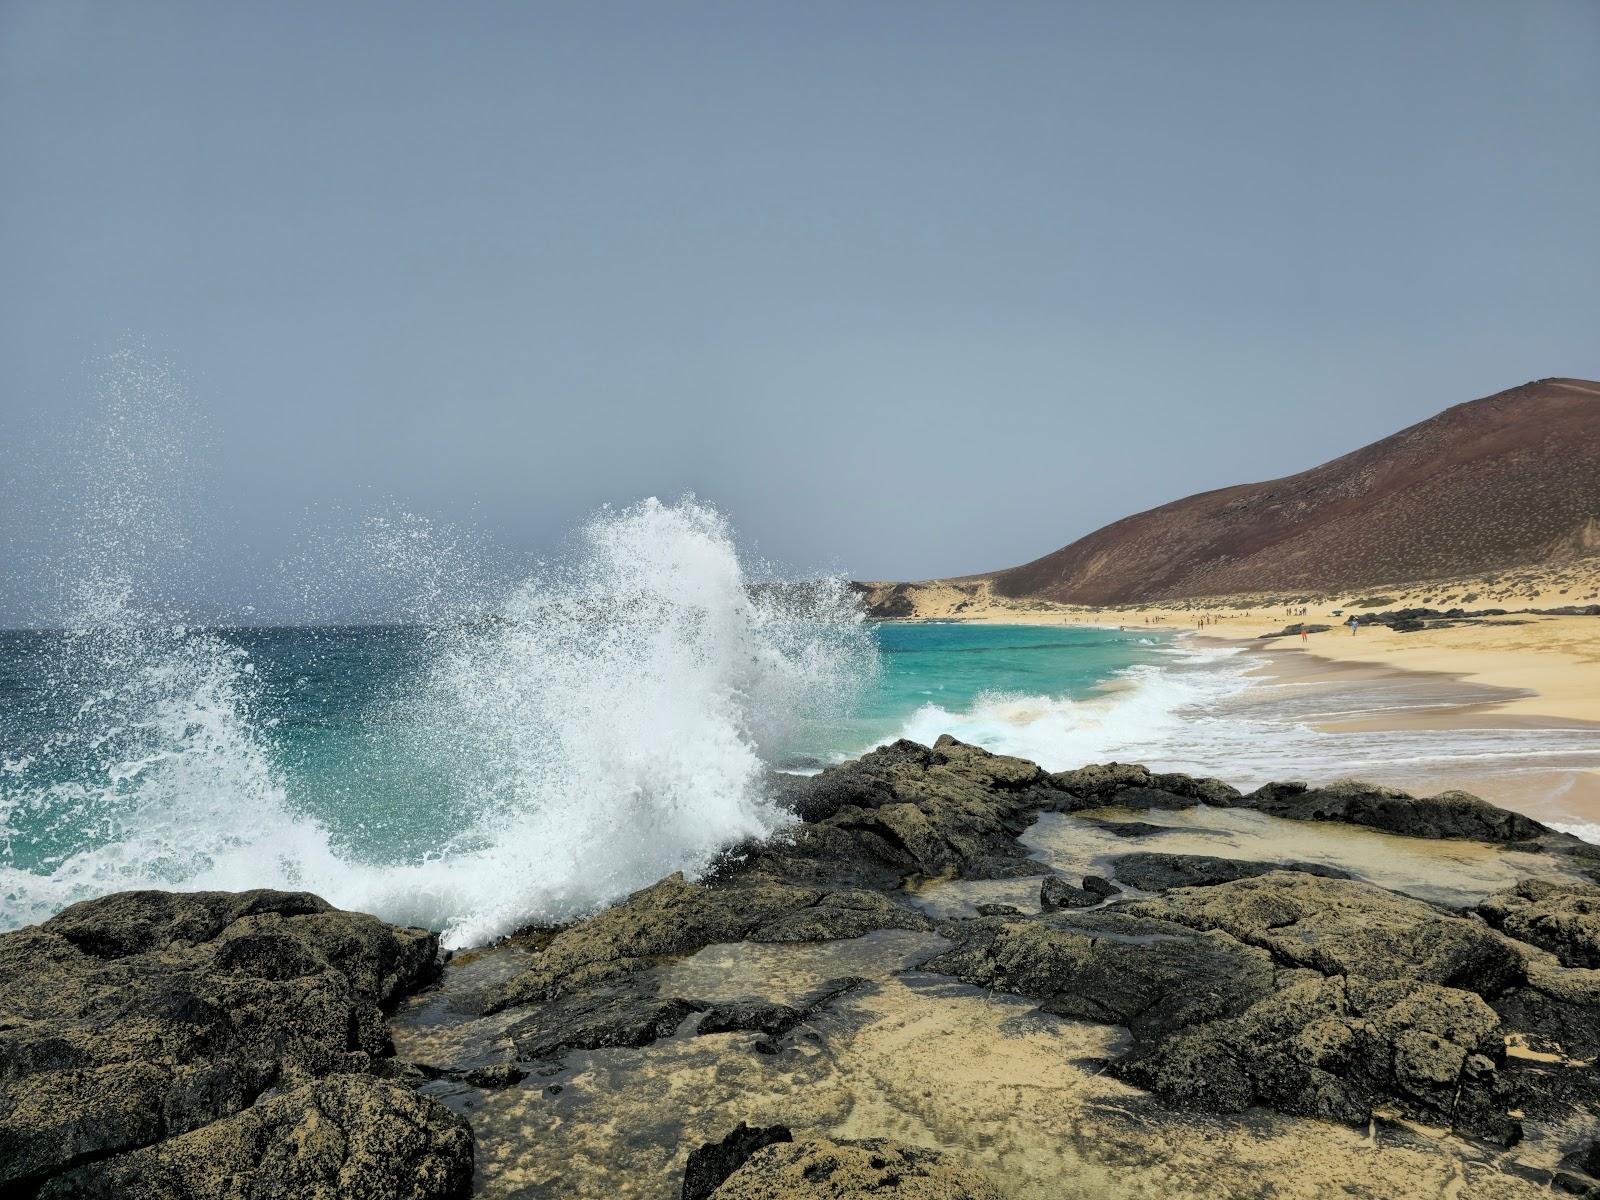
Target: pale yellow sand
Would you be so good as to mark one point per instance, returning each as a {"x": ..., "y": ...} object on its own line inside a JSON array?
[
  {"x": 1556, "y": 658},
  {"x": 1549, "y": 666}
]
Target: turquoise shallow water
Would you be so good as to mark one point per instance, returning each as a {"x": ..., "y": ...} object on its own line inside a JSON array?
[
  {"x": 325, "y": 708},
  {"x": 303, "y": 755},
  {"x": 928, "y": 669},
  {"x": 478, "y": 777}
]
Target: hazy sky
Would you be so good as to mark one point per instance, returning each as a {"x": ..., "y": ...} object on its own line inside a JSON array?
[{"x": 908, "y": 289}]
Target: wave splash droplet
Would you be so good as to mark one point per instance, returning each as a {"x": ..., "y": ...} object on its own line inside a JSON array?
[
  {"x": 612, "y": 722},
  {"x": 617, "y": 718}
]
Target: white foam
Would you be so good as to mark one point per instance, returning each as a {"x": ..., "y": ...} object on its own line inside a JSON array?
[
  {"x": 612, "y": 727},
  {"x": 1586, "y": 830},
  {"x": 620, "y": 721},
  {"x": 1206, "y": 714},
  {"x": 1138, "y": 719}
]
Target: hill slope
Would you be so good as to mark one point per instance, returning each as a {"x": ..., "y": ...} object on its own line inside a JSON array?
[{"x": 1506, "y": 481}]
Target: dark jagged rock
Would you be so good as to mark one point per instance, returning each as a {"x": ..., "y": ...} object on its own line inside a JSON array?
[
  {"x": 1332, "y": 1047},
  {"x": 1590, "y": 1159},
  {"x": 1152, "y": 976},
  {"x": 903, "y": 809},
  {"x": 677, "y": 917},
  {"x": 823, "y": 1169},
  {"x": 1317, "y": 996},
  {"x": 1344, "y": 927},
  {"x": 1447, "y": 815},
  {"x": 1295, "y": 630},
  {"x": 1201, "y": 962},
  {"x": 713, "y": 1162},
  {"x": 1242, "y": 983},
  {"x": 596, "y": 1018},
  {"x": 1128, "y": 785},
  {"x": 1131, "y": 829},
  {"x": 999, "y": 866},
  {"x": 842, "y": 914},
  {"x": 1553, "y": 1092},
  {"x": 1558, "y": 1006},
  {"x": 750, "y": 1016},
  {"x": 354, "y": 1137},
  {"x": 772, "y": 1019},
  {"x": 490, "y": 1078},
  {"x": 1563, "y": 918},
  {"x": 1056, "y": 893},
  {"x": 149, "y": 1014},
  {"x": 911, "y": 809},
  {"x": 1155, "y": 872},
  {"x": 496, "y": 1075}
]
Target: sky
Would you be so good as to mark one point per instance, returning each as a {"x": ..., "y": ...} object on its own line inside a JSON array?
[{"x": 906, "y": 289}]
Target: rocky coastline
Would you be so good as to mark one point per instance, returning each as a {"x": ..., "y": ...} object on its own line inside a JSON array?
[{"x": 263, "y": 1044}]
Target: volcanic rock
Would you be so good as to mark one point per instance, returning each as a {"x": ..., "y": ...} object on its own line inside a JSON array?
[
  {"x": 823, "y": 1169},
  {"x": 144, "y": 1015},
  {"x": 1128, "y": 785},
  {"x": 768, "y": 1017},
  {"x": 1056, "y": 893},
  {"x": 1563, "y": 918},
  {"x": 676, "y": 917},
  {"x": 345, "y": 1137},
  {"x": 1345, "y": 927},
  {"x": 1155, "y": 872},
  {"x": 715, "y": 1161},
  {"x": 1447, "y": 815}
]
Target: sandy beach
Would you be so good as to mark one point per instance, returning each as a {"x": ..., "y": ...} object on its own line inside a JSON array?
[{"x": 1518, "y": 671}]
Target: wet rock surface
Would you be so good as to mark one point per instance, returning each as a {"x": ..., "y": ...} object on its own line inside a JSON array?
[
  {"x": 146, "y": 1015},
  {"x": 621, "y": 1016},
  {"x": 1055, "y": 892},
  {"x": 1346, "y": 927},
  {"x": 824, "y": 1169},
  {"x": 1315, "y": 996},
  {"x": 773, "y": 1019},
  {"x": 346, "y": 1137},
  {"x": 1153, "y": 872},
  {"x": 1561, "y": 918},
  {"x": 1128, "y": 785},
  {"x": 160, "y": 1032},
  {"x": 1447, "y": 815},
  {"x": 1152, "y": 976},
  {"x": 713, "y": 1162},
  {"x": 677, "y": 917}
]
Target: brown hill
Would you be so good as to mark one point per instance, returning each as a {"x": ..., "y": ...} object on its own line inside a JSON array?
[{"x": 1507, "y": 481}]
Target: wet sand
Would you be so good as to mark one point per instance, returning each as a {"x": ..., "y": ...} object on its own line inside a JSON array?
[
  {"x": 1382, "y": 696},
  {"x": 1521, "y": 674},
  {"x": 1019, "y": 1094}
]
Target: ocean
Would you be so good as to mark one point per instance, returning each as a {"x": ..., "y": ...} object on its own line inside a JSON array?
[
  {"x": 506, "y": 742},
  {"x": 477, "y": 776}
]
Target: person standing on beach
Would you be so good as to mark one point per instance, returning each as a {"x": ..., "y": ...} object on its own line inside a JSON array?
[{"x": 1355, "y": 624}]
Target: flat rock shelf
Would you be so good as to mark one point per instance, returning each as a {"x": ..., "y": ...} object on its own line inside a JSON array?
[{"x": 953, "y": 975}]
